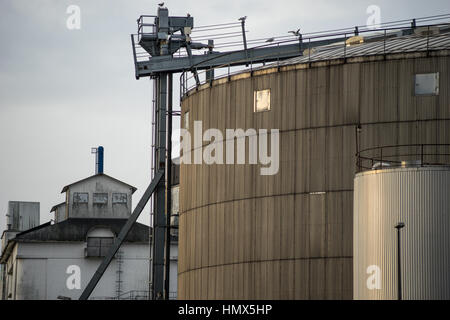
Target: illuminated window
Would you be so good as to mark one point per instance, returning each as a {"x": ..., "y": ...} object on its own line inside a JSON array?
[{"x": 261, "y": 100}]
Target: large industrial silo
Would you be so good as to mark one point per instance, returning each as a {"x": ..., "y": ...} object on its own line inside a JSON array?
[
  {"x": 416, "y": 196},
  {"x": 290, "y": 235}
]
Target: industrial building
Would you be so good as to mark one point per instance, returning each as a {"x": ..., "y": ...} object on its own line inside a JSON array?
[
  {"x": 56, "y": 260},
  {"x": 357, "y": 125},
  {"x": 244, "y": 235}
]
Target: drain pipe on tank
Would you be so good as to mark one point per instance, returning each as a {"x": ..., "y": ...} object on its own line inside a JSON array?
[{"x": 399, "y": 226}]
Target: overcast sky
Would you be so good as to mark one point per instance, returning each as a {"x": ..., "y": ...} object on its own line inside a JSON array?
[{"x": 64, "y": 91}]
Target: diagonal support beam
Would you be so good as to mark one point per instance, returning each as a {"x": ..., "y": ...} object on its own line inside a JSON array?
[
  {"x": 121, "y": 237},
  {"x": 193, "y": 70}
]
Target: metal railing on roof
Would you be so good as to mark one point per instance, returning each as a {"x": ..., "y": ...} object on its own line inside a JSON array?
[
  {"x": 133, "y": 295},
  {"x": 403, "y": 155},
  {"x": 383, "y": 36}
]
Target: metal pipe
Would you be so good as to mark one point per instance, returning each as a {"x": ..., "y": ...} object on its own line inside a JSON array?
[
  {"x": 399, "y": 226},
  {"x": 345, "y": 45},
  {"x": 168, "y": 189},
  {"x": 100, "y": 160},
  {"x": 244, "y": 39},
  {"x": 210, "y": 72},
  {"x": 152, "y": 172},
  {"x": 421, "y": 155},
  {"x": 160, "y": 205}
]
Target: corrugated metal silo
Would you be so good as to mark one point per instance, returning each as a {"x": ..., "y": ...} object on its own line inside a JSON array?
[
  {"x": 418, "y": 197},
  {"x": 289, "y": 235}
]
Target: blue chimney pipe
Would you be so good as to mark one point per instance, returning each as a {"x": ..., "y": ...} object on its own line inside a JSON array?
[{"x": 99, "y": 162}]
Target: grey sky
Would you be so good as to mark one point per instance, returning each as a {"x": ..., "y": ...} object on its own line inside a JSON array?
[{"x": 63, "y": 91}]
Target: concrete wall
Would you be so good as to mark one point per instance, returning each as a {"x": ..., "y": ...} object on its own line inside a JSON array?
[
  {"x": 99, "y": 184},
  {"x": 10, "y": 276},
  {"x": 289, "y": 236},
  {"x": 39, "y": 270}
]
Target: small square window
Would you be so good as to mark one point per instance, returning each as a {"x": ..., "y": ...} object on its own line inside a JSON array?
[
  {"x": 261, "y": 100},
  {"x": 119, "y": 198},
  {"x": 80, "y": 197},
  {"x": 426, "y": 84},
  {"x": 100, "y": 198}
]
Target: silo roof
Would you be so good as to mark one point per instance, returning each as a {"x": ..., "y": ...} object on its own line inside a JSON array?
[{"x": 394, "y": 45}]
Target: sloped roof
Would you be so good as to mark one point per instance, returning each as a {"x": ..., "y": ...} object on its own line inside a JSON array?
[
  {"x": 373, "y": 47},
  {"x": 97, "y": 175},
  {"x": 76, "y": 229}
]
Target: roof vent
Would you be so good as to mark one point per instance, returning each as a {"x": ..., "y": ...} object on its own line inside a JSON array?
[
  {"x": 354, "y": 41},
  {"x": 309, "y": 51}
]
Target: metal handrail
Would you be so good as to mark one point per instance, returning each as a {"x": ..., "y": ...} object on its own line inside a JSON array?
[
  {"x": 367, "y": 159},
  {"x": 382, "y": 33},
  {"x": 133, "y": 295},
  {"x": 142, "y": 24}
]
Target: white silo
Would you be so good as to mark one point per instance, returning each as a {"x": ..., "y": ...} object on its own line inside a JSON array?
[{"x": 417, "y": 196}]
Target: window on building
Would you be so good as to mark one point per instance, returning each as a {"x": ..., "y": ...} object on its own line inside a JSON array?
[
  {"x": 100, "y": 198},
  {"x": 119, "y": 198},
  {"x": 98, "y": 246},
  {"x": 80, "y": 197},
  {"x": 261, "y": 100},
  {"x": 426, "y": 84}
]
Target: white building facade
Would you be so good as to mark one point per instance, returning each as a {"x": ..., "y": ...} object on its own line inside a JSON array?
[{"x": 57, "y": 260}]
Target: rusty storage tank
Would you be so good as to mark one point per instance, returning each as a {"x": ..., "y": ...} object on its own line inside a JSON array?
[
  {"x": 417, "y": 197},
  {"x": 244, "y": 235}
]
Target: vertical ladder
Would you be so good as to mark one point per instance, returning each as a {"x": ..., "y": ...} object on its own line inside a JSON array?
[{"x": 119, "y": 261}]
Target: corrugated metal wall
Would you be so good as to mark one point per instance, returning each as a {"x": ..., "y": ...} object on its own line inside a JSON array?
[
  {"x": 243, "y": 235},
  {"x": 419, "y": 198}
]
